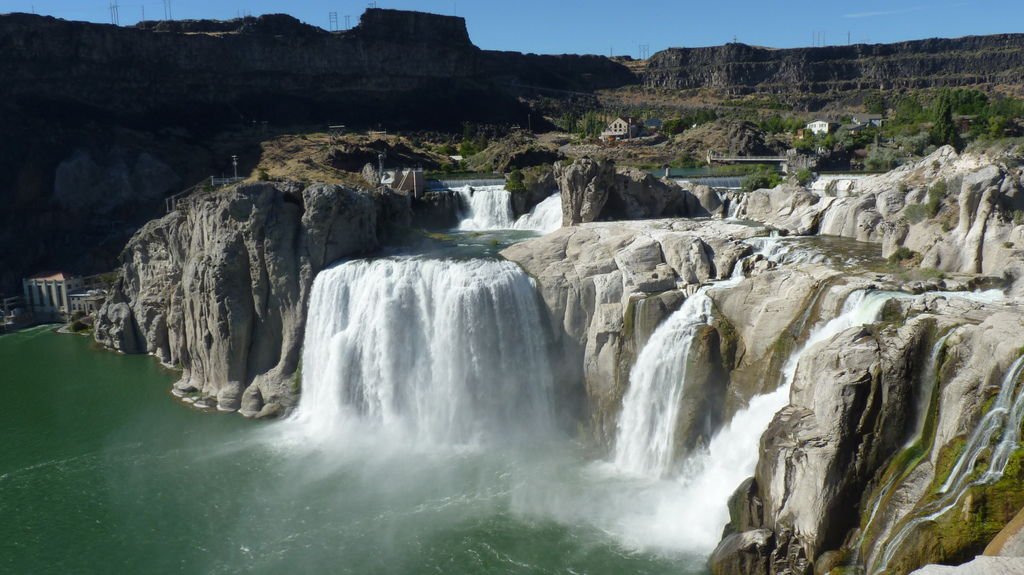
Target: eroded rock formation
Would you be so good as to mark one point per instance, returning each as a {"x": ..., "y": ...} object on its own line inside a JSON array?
[
  {"x": 594, "y": 190},
  {"x": 219, "y": 287}
]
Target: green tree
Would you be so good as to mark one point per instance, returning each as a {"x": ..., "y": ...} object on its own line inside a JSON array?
[{"x": 943, "y": 129}]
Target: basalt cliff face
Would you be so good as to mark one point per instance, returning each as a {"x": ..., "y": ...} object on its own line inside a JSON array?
[
  {"x": 220, "y": 286},
  {"x": 741, "y": 69},
  {"x": 146, "y": 111}
]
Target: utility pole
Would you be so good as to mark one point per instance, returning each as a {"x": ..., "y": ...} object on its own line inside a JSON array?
[
  {"x": 234, "y": 162},
  {"x": 348, "y": 19},
  {"x": 167, "y": 10},
  {"x": 113, "y": 13},
  {"x": 332, "y": 17}
]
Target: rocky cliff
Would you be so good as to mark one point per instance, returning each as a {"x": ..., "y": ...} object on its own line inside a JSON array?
[
  {"x": 950, "y": 212},
  {"x": 219, "y": 287},
  {"x": 940, "y": 62},
  {"x": 146, "y": 111}
]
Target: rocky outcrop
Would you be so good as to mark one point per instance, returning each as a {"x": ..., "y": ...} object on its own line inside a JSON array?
[
  {"x": 853, "y": 455},
  {"x": 219, "y": 287},
  {"x": 957, "y": 212},
  {"x": 594, "y": 190},
  {"x": 937, "y": 62}
]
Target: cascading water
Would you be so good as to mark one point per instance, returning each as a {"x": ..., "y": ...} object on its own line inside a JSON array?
[
  {"x": 487, "y": 208},
  {"x": 646, "y": 429},
  {"x": 1004, "y": 417},
  {"x": 441, "y": 351},
  {"x": 708, "y": 478},
  {"x": 490, "y": 208},
  {"x": 545, "y": 217},
  {"x": 732, "y": 454}
]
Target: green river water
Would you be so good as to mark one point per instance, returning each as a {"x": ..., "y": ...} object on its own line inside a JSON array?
[{"x": 102, "y": 471}]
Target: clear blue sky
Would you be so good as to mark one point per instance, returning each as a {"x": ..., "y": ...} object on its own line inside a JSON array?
[{"x": 598, "y": 26}]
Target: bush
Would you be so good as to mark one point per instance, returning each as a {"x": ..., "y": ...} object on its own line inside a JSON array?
[
  {"x": 804, "y": 177},
  {"x": 902, "y": 254},
  {"x": 262, "y": 175},
  {"x": 515, "y": 182},
  {"x": 760, "y": 179},
  {"x": 936, "y": 194},
  {"x": 915, "y": 213}
]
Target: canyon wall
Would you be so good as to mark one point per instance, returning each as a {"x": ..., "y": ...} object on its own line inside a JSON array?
[
  {"x": 984, "y": 61},
  {"x": 220, "y": 286}
]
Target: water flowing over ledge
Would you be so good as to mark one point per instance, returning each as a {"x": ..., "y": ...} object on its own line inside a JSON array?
[
  {"x": 490, "y": 208},
  {"x": 437, "y": 351}
]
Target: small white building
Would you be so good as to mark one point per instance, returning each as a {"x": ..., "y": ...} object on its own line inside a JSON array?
[
  {"x": 86, "y": 301},
  {"x": 46, "y": 294},
  {"x": 621, "y": 128},
  {"x": 822, "y": 127}
]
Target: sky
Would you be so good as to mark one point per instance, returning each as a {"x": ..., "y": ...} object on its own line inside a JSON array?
[{"x": 632, "y": 27}]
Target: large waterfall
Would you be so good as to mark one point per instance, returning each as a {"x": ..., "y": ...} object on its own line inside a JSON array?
[
  {"x": 441, "y": 351},
  {"x": 490, "y": 208}
]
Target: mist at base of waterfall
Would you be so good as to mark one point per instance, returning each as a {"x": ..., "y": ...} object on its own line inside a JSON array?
[{"x": 110, "y": 474}]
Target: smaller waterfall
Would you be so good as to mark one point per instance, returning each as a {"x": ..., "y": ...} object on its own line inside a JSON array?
[
  {"x": 732, "y": 454},
  {"x": 545, "y": 217},
  {"x": 490, "y": 208},
  {"x": 646, "y": 430},
  {"x": 1004, "y": 417},
  {"x": 487, "y": 208}
]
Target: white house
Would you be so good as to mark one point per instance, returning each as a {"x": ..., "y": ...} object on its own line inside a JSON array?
[
  {"x": 820, "y": 127},
  {"x": 46, "y": 294},
  {"x": 621, "y": 128}
]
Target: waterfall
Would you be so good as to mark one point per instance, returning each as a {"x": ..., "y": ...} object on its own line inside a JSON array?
[
  {"x": 438, "y": 351},
  {"x": 645, "y": 435},
  {"x": 490, "y": 208},
  {"x": 646, "y": 429},
  {"x": 487, "y": 208},
  {"x": 1005, "y": 418},
  {"x": 545, "y": 217},
  {"x": 712, "y": 476}
]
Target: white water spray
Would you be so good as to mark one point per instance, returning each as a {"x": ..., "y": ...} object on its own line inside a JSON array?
[{"x": 437, "y": 351}]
